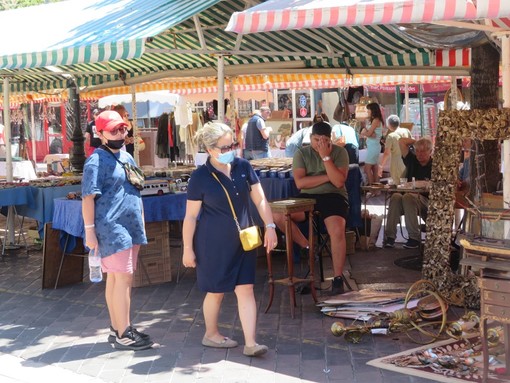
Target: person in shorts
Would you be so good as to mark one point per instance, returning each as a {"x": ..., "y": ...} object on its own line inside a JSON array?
[
  {"x": 320, "y": 171},
  {"x": 114, "y": 226}
]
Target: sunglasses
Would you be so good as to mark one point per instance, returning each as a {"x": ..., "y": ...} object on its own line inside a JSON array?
[
  {"x": 120, "y": 129},
  {"x": 228, "y": 148}
]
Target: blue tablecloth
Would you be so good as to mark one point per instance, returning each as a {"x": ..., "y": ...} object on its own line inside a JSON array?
[
  {"x": 19, "y": 195},
  {"x": 42, "y": 208},
  {"x": 168, "y": 207},
  {"x": 279, "y": 188},
  {"x": 353, "y": 186},
  {"x": 67, "y": 214}
]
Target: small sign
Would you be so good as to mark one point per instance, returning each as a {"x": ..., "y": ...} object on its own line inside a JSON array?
[
  {"x": 302, "y": 100},
  {"x": 303, "y": 112}
]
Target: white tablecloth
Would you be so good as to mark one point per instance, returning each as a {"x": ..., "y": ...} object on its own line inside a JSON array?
[{"x": 21, "y": 169}]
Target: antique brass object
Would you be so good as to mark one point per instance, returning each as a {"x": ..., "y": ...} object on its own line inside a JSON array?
[{"x": 428, "y": 318}]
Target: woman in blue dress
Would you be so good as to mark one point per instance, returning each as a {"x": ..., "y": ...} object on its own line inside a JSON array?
[
  {"x": 373, "y": 133},
  {"x": 211, "y": 238},
  {"x": 114, "y": 227}
]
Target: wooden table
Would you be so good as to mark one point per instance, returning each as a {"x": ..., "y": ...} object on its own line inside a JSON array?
[{"x": 288, "y": 207}]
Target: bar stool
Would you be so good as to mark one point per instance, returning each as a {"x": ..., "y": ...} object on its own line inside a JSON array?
[{"x": 287, "y": 207}]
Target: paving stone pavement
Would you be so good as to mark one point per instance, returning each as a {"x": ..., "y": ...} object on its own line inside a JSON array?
[{"x": 60, "y": 335}]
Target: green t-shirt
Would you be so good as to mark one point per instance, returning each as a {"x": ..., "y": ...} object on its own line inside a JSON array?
[{"x": 308, "y": 159}]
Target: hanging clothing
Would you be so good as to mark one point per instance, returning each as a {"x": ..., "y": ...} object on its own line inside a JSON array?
[{"x": 166, "y": 145}]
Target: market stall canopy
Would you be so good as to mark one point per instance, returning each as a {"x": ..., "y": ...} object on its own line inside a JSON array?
[
  {"x": 248, "y": 83},
  {"x": 99, "y": 44},
  {"x": 148, "y": 104},
  {"x": 278, "y": 15}
]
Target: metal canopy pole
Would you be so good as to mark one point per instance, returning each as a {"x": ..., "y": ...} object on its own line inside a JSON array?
[
  {"x": 406, "y": 90},
  {"x": 8, "y": 160},
  {"x": 221, "y": 89},
  {"x": 398, "y": 100},
  {"x": 135, "y": 125},
  {"x": 33, "y": 131},
  {"x": 422, "y": 110}
]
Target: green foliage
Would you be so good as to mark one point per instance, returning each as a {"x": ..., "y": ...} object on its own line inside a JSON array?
[{"x": 12, "y": 4}]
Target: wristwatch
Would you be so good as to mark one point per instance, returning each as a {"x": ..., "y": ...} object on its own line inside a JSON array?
[
  {"x": 327, "y": 158},
  {"x": 270, "y": 226}
]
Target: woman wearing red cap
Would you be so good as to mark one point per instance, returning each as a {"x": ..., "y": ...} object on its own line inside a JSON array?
[{"x": 114, "y": 226}]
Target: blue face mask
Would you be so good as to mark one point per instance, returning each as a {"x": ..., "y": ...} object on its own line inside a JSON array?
[{"x": 226, "y": 158}]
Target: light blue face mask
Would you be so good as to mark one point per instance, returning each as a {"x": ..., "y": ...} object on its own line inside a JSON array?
[{"x": 226, "y": 158}]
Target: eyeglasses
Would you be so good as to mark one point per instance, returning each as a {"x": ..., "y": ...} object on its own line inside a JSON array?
[
  {"x": 120, "y": 129},
  {"x": 228, "y": 148}
]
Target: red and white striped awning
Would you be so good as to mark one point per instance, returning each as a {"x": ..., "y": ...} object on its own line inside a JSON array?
[
  {"x": 453, "y": 57},
  {"x": 276, "y": 15}
]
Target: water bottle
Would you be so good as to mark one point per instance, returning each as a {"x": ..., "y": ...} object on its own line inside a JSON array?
[{"x": 95, "y": 273}]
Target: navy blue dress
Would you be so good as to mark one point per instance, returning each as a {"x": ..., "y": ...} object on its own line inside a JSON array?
[{"x": 222, "y": 264}]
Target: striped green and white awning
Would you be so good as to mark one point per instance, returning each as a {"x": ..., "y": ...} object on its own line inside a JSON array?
[
  {"x": 87, "y": 31},
  {"x": 99, "y": 44}
]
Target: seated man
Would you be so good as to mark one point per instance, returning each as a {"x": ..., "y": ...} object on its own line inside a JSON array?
[
  {"x": 411, "y": 205},
  {"x": 320, "y": 171}
]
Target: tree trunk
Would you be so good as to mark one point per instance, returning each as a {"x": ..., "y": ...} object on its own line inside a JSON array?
[{"x": 484, "y": 95}]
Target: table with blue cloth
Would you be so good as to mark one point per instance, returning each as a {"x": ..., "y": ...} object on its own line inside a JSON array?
[
  {"x": 67, "y": 215},
  {"x": 279, "y": 188},
  {"x": 68, "y": 219},
  {"x": 17, "y": 196},
  {"x": 41, "y": 209},
  {"x": 353, "y": 186},
  {"x": 283, "y": 188}
]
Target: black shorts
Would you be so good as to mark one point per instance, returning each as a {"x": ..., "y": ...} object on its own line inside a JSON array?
[{"x": 329, "y": 204}]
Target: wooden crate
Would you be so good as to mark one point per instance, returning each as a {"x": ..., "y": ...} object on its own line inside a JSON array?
[
  {"x": 154, "y": 258},
  {"x": 158, "y": 241},
  {"x": 152, "y": 269}
]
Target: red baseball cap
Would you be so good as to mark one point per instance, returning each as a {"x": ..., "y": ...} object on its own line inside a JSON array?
[{"x": 109, "y": 120}]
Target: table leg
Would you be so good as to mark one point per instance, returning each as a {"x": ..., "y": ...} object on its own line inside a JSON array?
[
  {"x": 311, "y": 255},
  {"x": 61, "y": 261},
  {"x": 290, "y": 263},
  {"x": 485, "y": 350},
  {"x": 270, "y": 281},
  {"x": 506, "y": 329}
]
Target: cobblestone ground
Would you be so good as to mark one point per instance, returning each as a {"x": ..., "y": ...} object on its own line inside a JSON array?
[{"x": 62, "y": 333}]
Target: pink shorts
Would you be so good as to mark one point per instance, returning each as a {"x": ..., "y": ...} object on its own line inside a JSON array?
[{"x": 121, "y": 262}]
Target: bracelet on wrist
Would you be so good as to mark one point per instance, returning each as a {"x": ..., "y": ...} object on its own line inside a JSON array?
[
  {"x": 270, "y": 226},
  {"x": 89, "y": 226}
]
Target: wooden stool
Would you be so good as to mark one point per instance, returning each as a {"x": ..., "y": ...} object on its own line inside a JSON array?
[{"x": 287, "y": 207}]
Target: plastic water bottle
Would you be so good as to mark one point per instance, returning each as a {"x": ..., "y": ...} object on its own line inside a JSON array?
[{"x": 95, "y": 273}]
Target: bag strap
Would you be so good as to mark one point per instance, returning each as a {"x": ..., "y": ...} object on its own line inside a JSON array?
[
  {"x": 229, "y": 201},
  {"x": 106, "y": 148}
]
